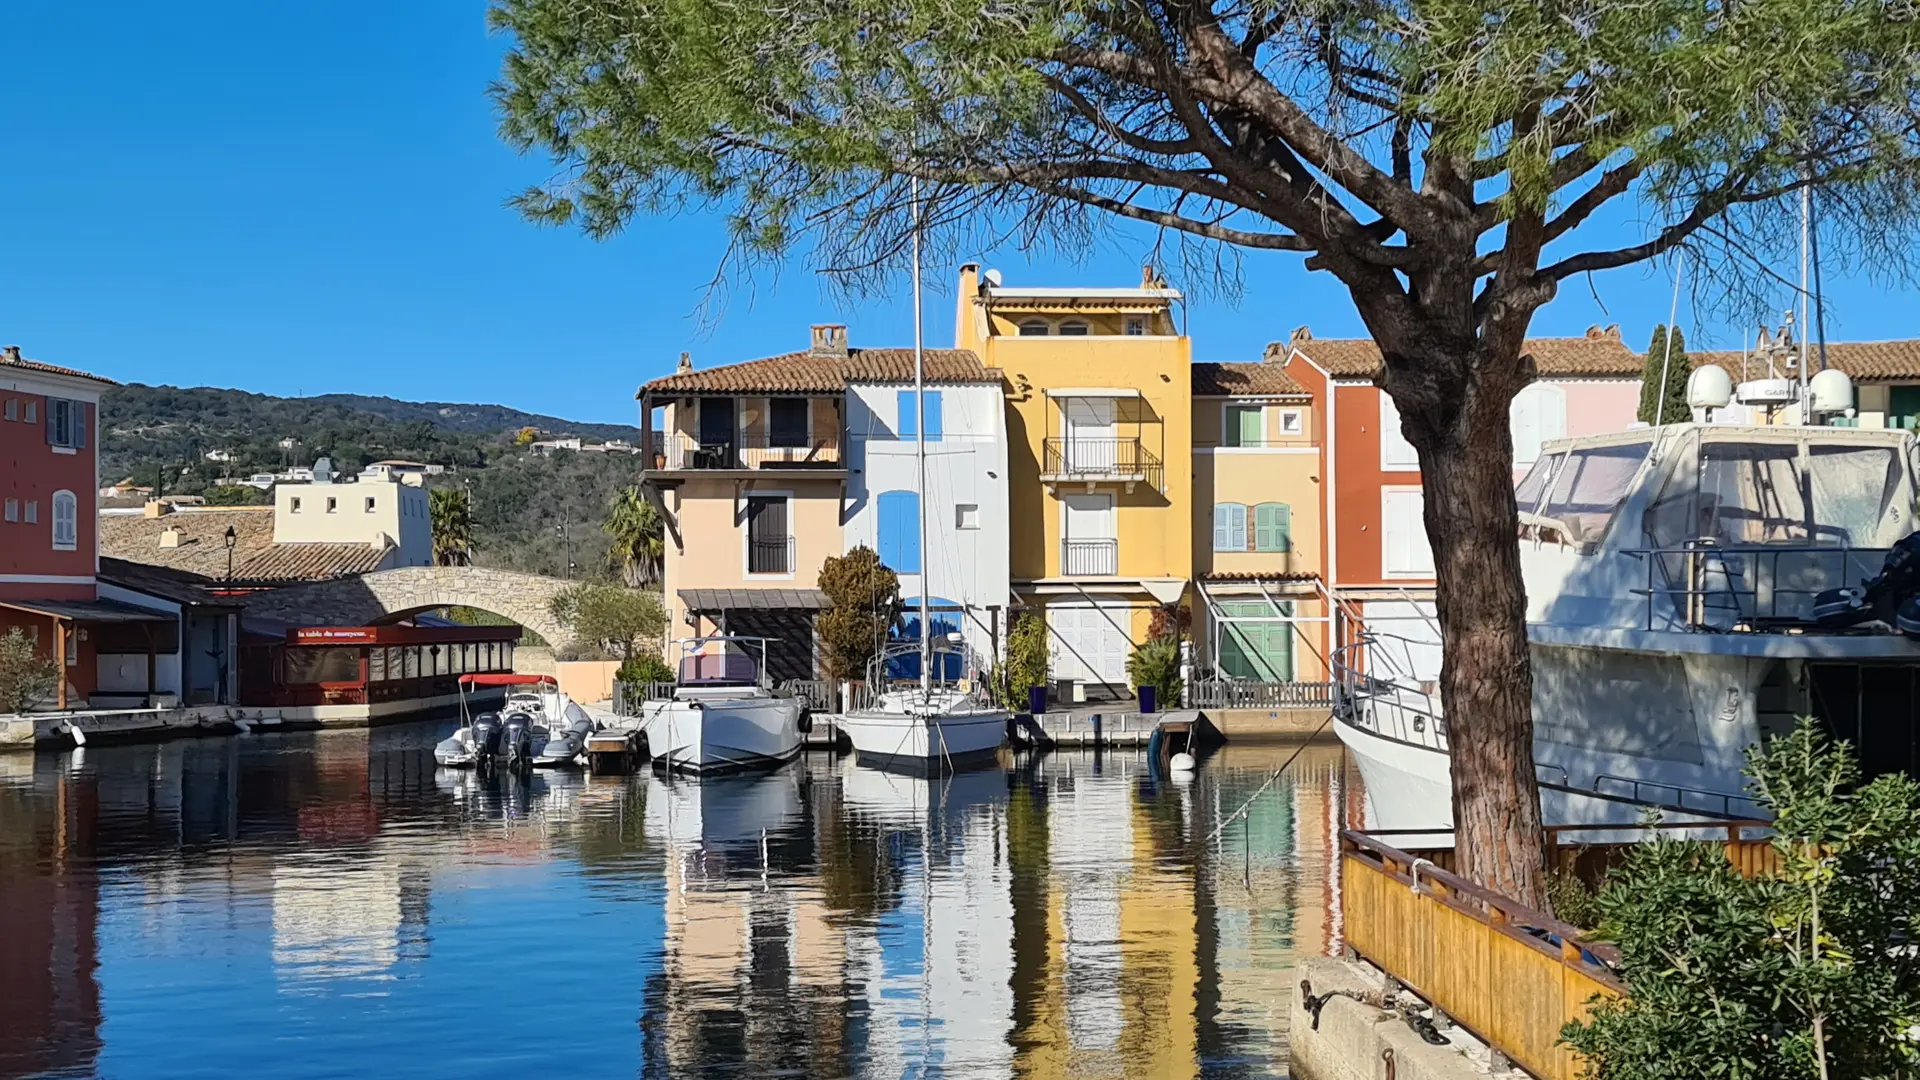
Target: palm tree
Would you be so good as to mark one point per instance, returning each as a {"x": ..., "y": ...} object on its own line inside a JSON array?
[
  {"x": 638, "y": 538},
  {"x": 451, "y": 512}
]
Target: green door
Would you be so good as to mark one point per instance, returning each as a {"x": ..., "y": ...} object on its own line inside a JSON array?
[
  {"x": 1903, "y": 406},
  {"x": 1260, "y": 651}
]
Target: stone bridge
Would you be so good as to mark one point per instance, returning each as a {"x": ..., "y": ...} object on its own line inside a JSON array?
[{"x": 386, "y": 596}]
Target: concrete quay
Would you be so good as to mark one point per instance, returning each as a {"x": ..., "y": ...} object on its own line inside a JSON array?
[{"x": 1359, "y": 1040}]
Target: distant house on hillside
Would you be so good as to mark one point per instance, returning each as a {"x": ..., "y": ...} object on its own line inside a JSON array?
[{"x": 405, "y": 472}]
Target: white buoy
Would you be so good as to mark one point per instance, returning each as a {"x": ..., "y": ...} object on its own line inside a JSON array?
[{"x": 1182, "y": 762}]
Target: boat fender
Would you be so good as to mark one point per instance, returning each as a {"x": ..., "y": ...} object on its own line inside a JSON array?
[{"x": 1182, "y": 762}]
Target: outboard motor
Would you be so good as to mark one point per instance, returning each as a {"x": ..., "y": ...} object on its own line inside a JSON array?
[
  {"x": 486, "y": 739},
  {"x": 516, "y": 741},
  {"x": 1885, "y": 596}
]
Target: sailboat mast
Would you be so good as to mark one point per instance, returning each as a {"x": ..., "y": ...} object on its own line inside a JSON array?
[
  {"x": 920, "y": 451},
  {"x": 1806, "y": 241}
]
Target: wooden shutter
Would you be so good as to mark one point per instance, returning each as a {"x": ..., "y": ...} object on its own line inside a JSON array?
[{"x": 1271, "y": 526}]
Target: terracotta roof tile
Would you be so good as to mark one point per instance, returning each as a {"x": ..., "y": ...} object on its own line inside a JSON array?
[
  {"x": 284, "y": 563},
  {"x": 11, "y": 358},
  {"x": 180, "y": 586},
  {"x": 203, "y": 546},
  {"x": 1223, "y": 380},
  {"x": 1866, "y": 361},
  {"x": 1599, "y": 353},
  {"x": 814, "y": 373}
]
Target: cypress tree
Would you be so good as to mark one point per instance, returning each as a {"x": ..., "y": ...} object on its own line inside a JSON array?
[{"x": 1676, "y": 368}]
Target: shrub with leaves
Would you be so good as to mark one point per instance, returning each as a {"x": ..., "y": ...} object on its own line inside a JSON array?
[
  {"x": 25, "y": 675},
  {"x": 625, "y": 621},
  {"x": 1026, "y": 664},
  {"x": 1811, "y": 972},
  {"x": 645, "y": 668},
  {"x": 1156, "y": 663},
  {"x": 866, "y": 600}
]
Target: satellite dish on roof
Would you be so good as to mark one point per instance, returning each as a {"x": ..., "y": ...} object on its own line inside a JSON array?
[
  {"x": 1831, "y": 392},
  {"x": 994, "y": 278},
  {"x": 1709, "y": 387}
]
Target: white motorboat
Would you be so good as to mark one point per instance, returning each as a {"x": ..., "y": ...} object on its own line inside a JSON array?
[
  {"x": 537, "y": 726},
  {"x": 722, "y": 714},
  {"x": 931, "y": 726},
  {"x": 1692, "y": 589}
]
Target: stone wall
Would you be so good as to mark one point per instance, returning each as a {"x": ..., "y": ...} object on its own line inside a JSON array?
[{"x": 385, "y": 595}]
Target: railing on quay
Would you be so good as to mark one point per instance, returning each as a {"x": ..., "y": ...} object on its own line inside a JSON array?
[
  {"x": 1512, "y": 976},
  {"x": 681, "y": 451},
  {"x": 1248, "y": 694}
]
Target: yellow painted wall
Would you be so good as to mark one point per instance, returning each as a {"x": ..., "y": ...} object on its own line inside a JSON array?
[
  {"x": 1150, "y": 523},
  {"x": 1250, "y": 478}
]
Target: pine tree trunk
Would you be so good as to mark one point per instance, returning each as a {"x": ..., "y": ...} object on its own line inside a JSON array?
[{"x": 1486, "y": 681}]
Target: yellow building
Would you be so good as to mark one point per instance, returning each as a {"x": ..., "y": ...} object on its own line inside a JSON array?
[
  {"x": 1099, "y": 416},
  {"x": 1257, "y": 537}
]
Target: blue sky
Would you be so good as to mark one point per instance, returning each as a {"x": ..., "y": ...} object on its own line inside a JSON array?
[{"x": 301, "y": 198}]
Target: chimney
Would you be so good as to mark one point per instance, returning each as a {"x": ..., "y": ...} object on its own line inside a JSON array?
[
  {"x": 1613, "y": 331},
  {"x": 156, "y": 508},
  {"x": 1276, "y": 352},
  {"x": 686, "y": 364},
  {"x": 1594, "y": 333},
  {"x": 170, "y": 537},
  {"x": 1147, "y": 280},
  {"x": 1300, "y": 336},
  {"x": 11, "y": 353},
  {"x": 829, "y": 339}
]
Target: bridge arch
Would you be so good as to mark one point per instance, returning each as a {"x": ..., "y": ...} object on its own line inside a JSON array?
[{"x": 388, "y": 595}]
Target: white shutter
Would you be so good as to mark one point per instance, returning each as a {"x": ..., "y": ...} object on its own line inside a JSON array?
[
  {"x": 1403, "y": 534},
  {"x": 1395, "y": 451}
]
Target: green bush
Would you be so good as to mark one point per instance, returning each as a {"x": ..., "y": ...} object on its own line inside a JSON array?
[
  {"x": 1026, "y": 663},
  {"x": 25, "y": 675},
  {"x": 1156, "y": 663},
  {"x": 1810, "y": 972},
  {"x": 646, "y": 668}
]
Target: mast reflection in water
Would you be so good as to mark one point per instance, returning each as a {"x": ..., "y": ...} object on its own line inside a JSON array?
[{"x": 329, "y": 904}]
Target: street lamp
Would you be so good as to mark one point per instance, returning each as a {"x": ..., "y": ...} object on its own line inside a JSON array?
[{"x": 232, "y": 539}]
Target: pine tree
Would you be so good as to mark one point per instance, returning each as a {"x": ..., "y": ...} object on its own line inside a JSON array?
[{"x": 1676, "y": 368}]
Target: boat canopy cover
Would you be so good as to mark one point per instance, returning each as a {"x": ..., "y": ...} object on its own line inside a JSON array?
[{"x": 505, "y": 679}]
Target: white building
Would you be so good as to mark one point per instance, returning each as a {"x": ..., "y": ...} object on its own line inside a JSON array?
[
  {"x": 965, "y": 565},
  {"x": 368, "y": 512}
]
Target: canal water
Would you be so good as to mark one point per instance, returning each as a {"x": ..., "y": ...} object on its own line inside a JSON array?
[{"x": 332, "y": 905}]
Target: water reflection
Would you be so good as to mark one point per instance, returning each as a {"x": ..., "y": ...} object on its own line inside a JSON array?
[{"x": 312, "y": 905}]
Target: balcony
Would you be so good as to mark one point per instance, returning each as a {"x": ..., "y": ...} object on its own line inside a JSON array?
[
  {"x": 1089, "y": 558},
  {"x": 775, "y": 556},
  {"x": 1075, "y": 459},
  {"x": 749, "y": 452}
]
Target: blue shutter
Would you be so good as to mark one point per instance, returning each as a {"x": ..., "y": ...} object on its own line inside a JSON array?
[
  {"x": 933, "y": 416},
  {"x": 1229, "y": 527},
  {"x": 80, "y": 413},
  {"x": 899, "y": 519},
  {"x": 905, "y": 425},
  {"x": 1220, "y": 527}
]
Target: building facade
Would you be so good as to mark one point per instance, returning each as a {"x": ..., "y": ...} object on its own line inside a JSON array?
[
  {"x": 753, "y": 469},
  {"x": 1099, "y": 414}
]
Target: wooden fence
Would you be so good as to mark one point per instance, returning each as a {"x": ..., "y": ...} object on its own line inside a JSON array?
[{"x": 1511, "y": 975}]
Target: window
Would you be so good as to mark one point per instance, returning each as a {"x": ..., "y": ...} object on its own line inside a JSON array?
[
  {"x": 33, "y": 511},
  {"x": 66, "y": 521},
  {"x": 1136, "y": 326},
  {"x": 966, "y": 516},
  {"x": 333, "y": 504},
  {"x": 295, "y": 508},
  {"x": 66, "y": 423},
  {"x": 908, "y": 422},
  {"x": 1590, "y": 488},
  {"x": 1272, "y": 527},
  {"x": 33, "y": 411},
  {"x": 1073, "y": 328},
  {"x": 1034, "y": 328},
  {"x": 13, "y": 510},
  {"x": 1229, "y": 527},
  {"x": 1404, "y": 550},
  {"x": 768, "y": 545},
  {"x": 1538, "y": 413},
  {"x": 1293, "y": 422},
  {"x": 13, "y": 408},
  {"x": 370, "y": 503},
  {"x": 1245, "y": 425},
  {"x": 1536, "y": 483},
  {"x": 899, "y": 530},
  {"x": 787, "y": 422},
  {"x": 1395, "y": 451},
  {"x": 1256, "y": 640}
]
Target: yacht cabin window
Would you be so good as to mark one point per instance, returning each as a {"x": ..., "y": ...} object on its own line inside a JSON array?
[
  {"x": 1535, "y": 484},
  {"x": 1590, "y": 488},
  {"x": 1748, "y": 494}
]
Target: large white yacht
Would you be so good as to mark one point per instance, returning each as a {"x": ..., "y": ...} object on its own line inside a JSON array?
[
  {"x": 1672, "y": 576},
  {"x": 721, "y": 714}
]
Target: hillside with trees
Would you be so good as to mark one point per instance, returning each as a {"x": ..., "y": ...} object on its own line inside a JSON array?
[{"x": 528, "y": 509}]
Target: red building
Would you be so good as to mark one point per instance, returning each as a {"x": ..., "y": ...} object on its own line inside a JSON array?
[
  {"x": 49, "y": 541},
  {"x": 387, "y": 670}
]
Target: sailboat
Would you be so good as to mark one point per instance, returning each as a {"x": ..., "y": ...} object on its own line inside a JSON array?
[{"x": 936, "y": 726}]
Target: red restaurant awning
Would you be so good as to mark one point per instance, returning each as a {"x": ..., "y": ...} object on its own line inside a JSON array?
[{"x": 505, "y": 679}]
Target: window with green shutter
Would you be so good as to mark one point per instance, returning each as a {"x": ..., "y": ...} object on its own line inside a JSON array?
[
  {"x": 1272, "y": 527},
  {"x": 1246, "y": 425},
  {"x": 1258, "y": 650}
]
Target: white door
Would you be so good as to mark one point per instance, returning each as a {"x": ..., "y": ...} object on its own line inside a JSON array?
[
  {"x": 1092, "y": 439},
  {"x": 1088, "y": 644},
  {"x": 1404, "y": 551},
  {"x": 1089, "y": 540},
  {"x": 1408, "y": 643}
]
